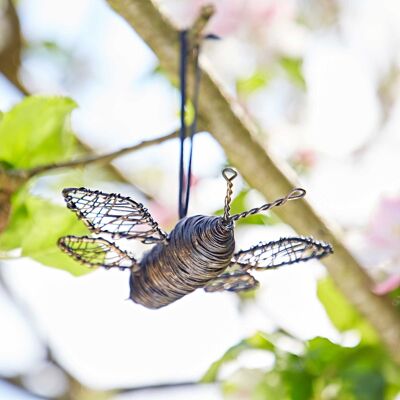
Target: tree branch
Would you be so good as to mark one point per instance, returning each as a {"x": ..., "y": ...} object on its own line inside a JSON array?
[
  {"x": 161, "y": 386},
  {"x": 105, "y": 158},
  {"x": 197, "y": 29},
  {"x": 16, "y": 382},
  {"x": 11, "y": 180},
  {"x": 236, "y": 133}
]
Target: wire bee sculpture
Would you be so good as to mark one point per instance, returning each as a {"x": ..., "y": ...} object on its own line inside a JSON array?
[{"x": 198, "y": 253}]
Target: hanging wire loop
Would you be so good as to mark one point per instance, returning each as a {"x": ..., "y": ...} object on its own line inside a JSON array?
[
  {"x": 229, "y": 175},
  {"x": 182, "y": 132},
  {"x": 190, "y": 47}
]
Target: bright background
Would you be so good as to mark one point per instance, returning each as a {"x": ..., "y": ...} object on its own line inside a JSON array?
[{"x": 320, "y": 77}]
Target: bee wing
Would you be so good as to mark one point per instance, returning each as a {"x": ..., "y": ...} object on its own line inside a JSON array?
[
  {"x": 119, "y": 216},
  {"x": 232, "y": 282},
  {"x": 97, "y": 252},
  {"x": 281, "y": 252}
]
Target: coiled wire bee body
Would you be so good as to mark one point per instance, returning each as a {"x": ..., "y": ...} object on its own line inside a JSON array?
[{"x": 198, "y": 252}]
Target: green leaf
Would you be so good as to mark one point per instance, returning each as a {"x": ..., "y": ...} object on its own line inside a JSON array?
[
  {"x": 230, "y": 355},
  {"x": 52, "y": 256},
  {"x": 395, "y": 296},
  {"x": 260, "y": 341},
  {"x": 189, "y": 113},
  {"x": 325, "y": 370},
  {"x": 322, "y": 354},
  {"x": 257, "y": 81},
  {"x": 342, "y": 313},
  {"x": 35, "y": 226},
  {"x": 362, "y": 374},
  {"x": 35, "y": 132},
  {"x": 254, "y": 384},
  {"x": 48, "y": 222},
  {"x": 270, "y": 387},
  {"x": 257, "y": 341},
  {"x": 5, "y": 165},
  {"x": 297, "y": 379},
  {"x": 359, "y": 370},
  {"x": 18, "y": 224},
  {"x": 293, "y": 69}
]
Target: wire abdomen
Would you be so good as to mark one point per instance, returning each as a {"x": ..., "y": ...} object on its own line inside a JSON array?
[{"x": 198, "y": 250}]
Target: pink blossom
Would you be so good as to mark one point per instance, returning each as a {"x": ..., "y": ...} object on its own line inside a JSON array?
[
  {"x": 387, "y": 286},
  {"x": 384, "y": 228},
  {"x": 164, "y": 215},
  {"x": 232, "y": 15},
  {"x": 304, "y": 159}
]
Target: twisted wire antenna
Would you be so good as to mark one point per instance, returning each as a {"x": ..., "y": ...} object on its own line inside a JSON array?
[
  {"x": 229, "y": 175},
  {"x": 295, "y": 194}
]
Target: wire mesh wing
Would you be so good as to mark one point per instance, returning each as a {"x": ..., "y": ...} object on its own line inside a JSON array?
[
  {"x": 114, "y": 214},
  {"x": 281, "y": 252},
  {"x": 97, "y": 252},
  {"x": 232, "y": 282}
]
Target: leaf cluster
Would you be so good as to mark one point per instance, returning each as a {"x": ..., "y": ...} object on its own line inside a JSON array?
[
  {"x": 323, "y": 370},
  {"x": 33, "y": 133}
]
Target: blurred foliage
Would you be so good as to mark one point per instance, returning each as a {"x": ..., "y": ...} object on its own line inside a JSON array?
[
  {"x": 293, "y": 69},
  {"x": 35, "y": 226},
  {"x": 251, "y": 84},
  {"x": 395, "y": 296},
  {"x": 342, "y": 314},
  {"x": 257, "y": 341},
  {"x": 48, "y": 47},
  {"x": 36, "y": 132},
  {"x": 321, "y": 370}
]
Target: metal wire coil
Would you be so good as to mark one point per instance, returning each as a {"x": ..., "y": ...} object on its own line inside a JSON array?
[{"x": 198, "y": 250}]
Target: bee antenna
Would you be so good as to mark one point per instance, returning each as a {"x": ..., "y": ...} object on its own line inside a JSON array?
[
  {"x": 229, "y": 175},
  {"x": 295, "y": 194}
]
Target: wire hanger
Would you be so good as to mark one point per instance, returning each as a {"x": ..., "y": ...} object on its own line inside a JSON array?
[{"x": 185, "y": 174}]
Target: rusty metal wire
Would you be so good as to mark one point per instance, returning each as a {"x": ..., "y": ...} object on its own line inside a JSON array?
[
  {"x": 295, "y": 194},
  {"x": 198, "y": 252},
  {"x": 119, "y": 216},
  {"x": 232, "y": 282},
  {"x": 97, "y": 252},
  {"x": 229, "y": 175},
  {"x": 199, "y": 249},
  {"x": 281, "y": 252}
]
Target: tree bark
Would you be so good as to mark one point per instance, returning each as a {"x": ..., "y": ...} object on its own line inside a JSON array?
[{"x": 226, "y": 121}]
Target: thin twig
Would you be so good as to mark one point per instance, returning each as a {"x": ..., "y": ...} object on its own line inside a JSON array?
[
  {"x": 105, "y": 158},
  {"x": 16, "y": 382},
  {"x": 162, "y": 386},
  {"x": 11, "y": 180},
  {"x": 197, "y": 30},
  {"x": 74, "y": 384}
]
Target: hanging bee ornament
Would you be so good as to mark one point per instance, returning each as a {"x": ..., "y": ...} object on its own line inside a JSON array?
[{"x": 198, "y": 253}]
